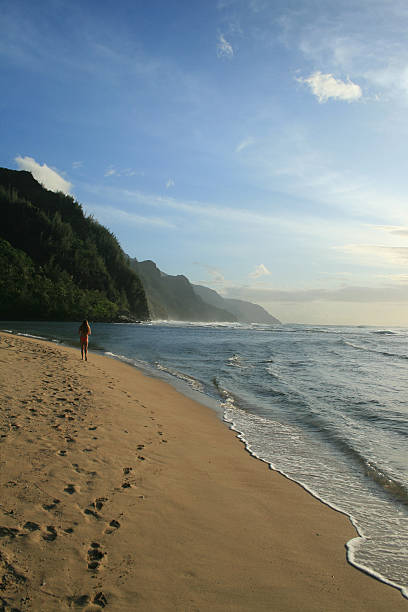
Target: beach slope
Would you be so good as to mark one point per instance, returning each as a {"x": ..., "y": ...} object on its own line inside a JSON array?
[{"x": 117, "y": 492}]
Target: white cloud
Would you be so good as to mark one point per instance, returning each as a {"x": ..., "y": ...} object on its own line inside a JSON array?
[
  {"x": 259, "y": 271},
  {"x": 110, "y": 171},
  {"x": 170, "y": 183},
  {"x": 113, "y": 171},
  {"x": 244, "y": 144},
  {"x": 77, "y": 164},
  {"x": 45, "y": 175},
  {"x": 326, "y": 86},
  {"x": 224, "y": 48}
]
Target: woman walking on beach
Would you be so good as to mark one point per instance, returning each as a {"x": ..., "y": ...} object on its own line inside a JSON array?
[{"x": 84, "y": 331}]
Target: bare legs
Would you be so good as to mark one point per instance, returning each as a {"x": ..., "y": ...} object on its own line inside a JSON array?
[{"x": 84, "y": 351}]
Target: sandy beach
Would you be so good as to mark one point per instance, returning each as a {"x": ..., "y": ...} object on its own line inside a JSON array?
[{"x": 118, "y": 492}]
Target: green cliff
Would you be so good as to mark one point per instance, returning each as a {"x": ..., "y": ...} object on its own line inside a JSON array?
[
  {"x": 173, "y": 297},
  {"x": 56, "y": 263}
]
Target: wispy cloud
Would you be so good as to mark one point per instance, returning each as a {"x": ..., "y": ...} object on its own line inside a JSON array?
[
  {"x": 170, "y": 183},
  {"x": 224, "y": 48},
  {"x": 394, "y": 230},
  {"x": 375, "y": 255},
  {"x": 213, "y": 214},
  {"x": 77, "y": 164},
  {"x": 358, "y": 294},
  {"x": 110, "y": 171},
  {"x": 199, "y": 208},
  {"x": 111, "y": 215},
  {"x": 244, "y": 144},
  {"x": 216, "y": 275},
  {"x": 113, "y": 171},
  {"x": 48, "y": 177},
  {"x": 294, "y": 165},
  {"x": 326, "y": 87}
]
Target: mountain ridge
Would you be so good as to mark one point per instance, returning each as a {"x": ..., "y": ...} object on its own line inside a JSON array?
[
  {"x": 246, "y": 312},
  {"x": 176, "y": 298}
]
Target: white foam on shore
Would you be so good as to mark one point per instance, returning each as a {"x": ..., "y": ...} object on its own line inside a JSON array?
[
  {"x": 253, "y": 423},
  {"x": 27, "y": 335},
  {"x": 192, "y": 382}
]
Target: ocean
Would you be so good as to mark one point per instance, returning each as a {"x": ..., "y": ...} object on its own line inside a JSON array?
[{"x": 327, "y": 406}]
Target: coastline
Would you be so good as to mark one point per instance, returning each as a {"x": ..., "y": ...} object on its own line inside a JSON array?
[{"x": 119, "y": 492}]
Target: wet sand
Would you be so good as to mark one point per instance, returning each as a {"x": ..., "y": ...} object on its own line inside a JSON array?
[{"x": 117, "y": 492}]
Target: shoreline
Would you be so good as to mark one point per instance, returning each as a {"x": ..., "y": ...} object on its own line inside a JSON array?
[{"x": 201, "y": 525}]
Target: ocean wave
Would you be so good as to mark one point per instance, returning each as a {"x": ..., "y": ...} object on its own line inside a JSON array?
[
  {"x": 273, "y": 374},
  {"x": 392, "y": 486},
  {"x": 228, "y": 400},
  {"x": 206, "y": 324},
  {"x": 376, "y": 351},
  {"x": 279, "y": 445},
  {"x": 236, "y": 361},
  {"x": 137, "y": 363},
  {"x": 192, "y": 382},
  {"x": 26, "y": 335}
]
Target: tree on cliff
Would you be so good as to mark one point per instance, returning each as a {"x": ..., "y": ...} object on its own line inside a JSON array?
[{"x": 56, "y": 262}]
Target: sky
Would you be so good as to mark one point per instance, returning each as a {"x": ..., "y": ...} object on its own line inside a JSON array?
[{"x": 258, "y": 147}]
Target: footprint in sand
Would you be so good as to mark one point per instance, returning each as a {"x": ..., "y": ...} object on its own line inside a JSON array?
[
  {"x": 70, "y": 488},
  {"x": 113, "y": 526},
  {"x": 81, "y": 601},
  {"x": 92, "y": 513},
  {"x": 100, "y": 600},
  {"x": 51, "y": 534},
  {"x": 98, "y": 503},
  {"x": 95, "y": 556},
  {"x": 49, "y": 507},
  {"x": 30, "y": 526},
  {"x": 8, "y": 531}
]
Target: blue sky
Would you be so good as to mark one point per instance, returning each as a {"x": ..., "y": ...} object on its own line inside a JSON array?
[{"x": 257, "y": 147}]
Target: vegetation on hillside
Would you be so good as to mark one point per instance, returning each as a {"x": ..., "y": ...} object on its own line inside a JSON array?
[{"x": 56, "y": 263}]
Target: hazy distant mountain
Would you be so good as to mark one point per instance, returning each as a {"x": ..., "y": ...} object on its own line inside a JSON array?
[
  {"x": 245, "y": 312},
  {"x": 173, "y": 297}
]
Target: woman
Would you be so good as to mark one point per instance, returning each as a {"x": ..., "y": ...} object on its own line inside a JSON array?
[{"x": 84, "y": 331}]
